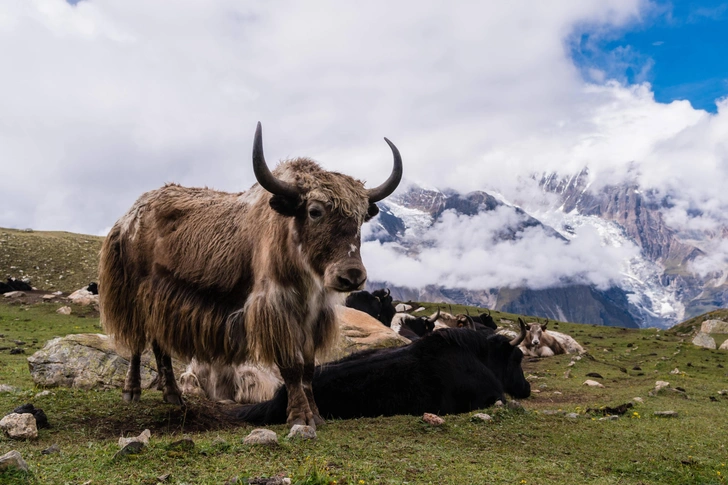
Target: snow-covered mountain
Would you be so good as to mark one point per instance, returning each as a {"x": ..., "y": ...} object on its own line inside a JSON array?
[{"x": 603, "y": 256}]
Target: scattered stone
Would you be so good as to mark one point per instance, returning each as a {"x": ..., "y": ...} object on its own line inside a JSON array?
[
  {"x": 714, "y": 326},
  {"x": 659, "y": 385},
  {"x": 666, "y": 414},
  {"x": 130, "y": 449},
  {"x": 43, "y": 394},
  {"x": 704, "y": 340},
  {"x": 481, "y": 417},
  {"x": 609, "y": 418},
  {"x": 433, "y": 419},
  {"x": 19, "y": 426},
  {"x": 185, "y": 444},
  {"x": 41, "y": 420},
  {"x": 13, "y": 461},
  {"x": 64, "y": 310},
  {"x": 83, "y": 297},
  {"x": 261, "y": 436},
  {"x": 723, "y": 392},
  {"x": 592, "y": 383},
  {"x": 498, "y": 404},
  {"x": 515, "y": 405},
  {"x": 54, "y": 448},
  {"x": 724, "y": 345},
  {"x": 48, "y": 297},
  {"x": 557, "y": 393},
  {"x": 551, "y": 412},
  {"x": 571, "y": 364},
  {"x": 611, "y": 411},
  {"x": 567, "y": 374},
  {"x": 269, "y": 481},
  {"x": 535, "y": 391},
  {"x": 14, "y": 294},
  {"x": 675, "y": 371},
  {"x": 57, "y": 293},
  {"x": 572, "y": 415},
  {"x": 302, "y": 431},
  {"x": 7, "y": 388},
  {"x": 164, "y": 478},
  {"x": 143, "y": 438},
  {"x": 596, "y": 375},
  {"x": 638, "y": 400}
]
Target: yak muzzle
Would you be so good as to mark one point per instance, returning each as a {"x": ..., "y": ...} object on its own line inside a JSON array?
[{"x": 347, "y": 279}]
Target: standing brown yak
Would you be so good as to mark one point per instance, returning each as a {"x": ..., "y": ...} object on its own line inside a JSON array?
[{"x": 227, "y": 278}]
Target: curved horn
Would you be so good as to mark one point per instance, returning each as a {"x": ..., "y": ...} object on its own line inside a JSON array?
[
  {"x": 387, "y": 290},
  {"x": 519, "y": 339},
  {"x": 263, "y": 174},
  {"x": 434, "y": 318},
  {"x": 467, "y": 312},
  {"x": 378, "y": 193},
  {"x": 488, "y": 309}
]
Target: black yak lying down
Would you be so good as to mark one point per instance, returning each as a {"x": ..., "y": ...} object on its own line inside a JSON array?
[{"x": 446, "y": 372}]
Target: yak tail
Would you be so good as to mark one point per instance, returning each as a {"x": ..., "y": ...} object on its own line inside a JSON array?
[{"x": 263, "y": 413}]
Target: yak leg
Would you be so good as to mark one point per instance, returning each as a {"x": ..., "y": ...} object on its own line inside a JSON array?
[
  {"x": 167, "y": 381},
  {"x": 132, "y": 391},
  {"x": 308, "y": 371},
  {"x": 298, "y": 409}
]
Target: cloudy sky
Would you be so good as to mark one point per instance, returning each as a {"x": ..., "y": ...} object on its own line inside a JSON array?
[{"x": 102, "y": 100}]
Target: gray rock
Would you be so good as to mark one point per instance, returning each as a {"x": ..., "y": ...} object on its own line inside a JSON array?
[
  {"x": 724, "y": 345},
  {"x": 19, "y": 426},
  {"x": 64, "y": 310},
  {"x": 9, "y": 389},
  {"x": 302, "y": 432},
  {"x": 704, "y": 340},
  {"x": 87, "y": 361},
  {"x": 14, "y": 294},
  {"x": 143, "y": 438},
  {"x": 666, "y": 414},
  {"x": 261, "y": 437},
  {"x": 481, "y": 417},
  {"x": 572, "y": 415},
  {"x": 592, "y": 383},
  {"x": 13, "y": 461},
  {"x": 714, "y": 326},
  {"x": 54, "y": 448},
  {"x": 612, "y": 417}
]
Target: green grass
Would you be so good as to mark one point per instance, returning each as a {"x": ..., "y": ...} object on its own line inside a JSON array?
[{"x": 533, "y": 446}]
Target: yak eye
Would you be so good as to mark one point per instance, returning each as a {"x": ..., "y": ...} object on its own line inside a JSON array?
[{"x": 315, "y": 212}]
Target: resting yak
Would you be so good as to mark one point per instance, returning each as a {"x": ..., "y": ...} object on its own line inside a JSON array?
[
  {"x": 226, "y": 278},
  {"x": 378, "y": 304},
  {"x": 446, "y": 372}
]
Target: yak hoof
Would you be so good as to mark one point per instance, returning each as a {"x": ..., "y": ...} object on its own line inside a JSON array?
[
  {"x": 175, "y": 399},
  {"x": 318, "y": 420},
  {"x": 131, "y": 396}
]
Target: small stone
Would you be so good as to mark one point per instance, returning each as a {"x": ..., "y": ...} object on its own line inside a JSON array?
[
  {"x": 433, "y": 419},
  {"x": 7, "y": 388},
  {"x": 13, "y": 461},
  {"x": 567, "y": 374},
  {"x": 572, "y": 415},
  {"x": 638, "y": 400},
  {"x": 498, "y": 404},
  {"x": 302, "y": 431},
  {"x": 612, "y": 417},
  {"x": 143, "y": 438},
  {"x": 723, "y": 392},
  {"x": 54, "y": 448},
  {"x": 666, "y": 414},
  {"x": 64, "y": 310},
  {"x": 14, "y": 294},
  {"x": 557, "y": 393},
  {"x": 481, "y": 417},
  {"x": 675, "y": 371},
  {"x": 535, "y": 391},
  {"x": 130, "y": 449},
  {"x": 592, "y": 383},
  {"x": 261, "y": 437},
  {"x": 57, "y": 293},
  {"x": 43, "y": 394},
  {"x": 48, "y": 297},
  {"x": 164, "y": 478},
  {"x": 514, "y": 405},
  {"x": 659, "y": 385}
]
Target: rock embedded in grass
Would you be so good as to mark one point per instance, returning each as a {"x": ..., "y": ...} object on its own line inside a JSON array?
[
  {"x": 143, "y": 438},
  {"x": 592, "y": 383},
  {"x": 303, "y": 432},
  {"x": 19, "y": 426},
  {"x": 261, "y": 436},
  {"x": 481, "y": 417},
  {"x": 13, "y": 460}
]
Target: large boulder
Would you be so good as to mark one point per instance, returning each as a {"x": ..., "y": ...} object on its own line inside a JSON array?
[
  {"x": 84, "y": 297},
  {"x": 724, "y": 345},
  {"x": 714, "y": 326},
  {"x": 704, "y": 340},
  {"x": 87, "y": 361}
]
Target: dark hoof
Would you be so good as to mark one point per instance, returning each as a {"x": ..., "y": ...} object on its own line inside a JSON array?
[
  {"x": 318, "y": 420},
  {"x": 131, "y": 396},
  {"x": 175, "y": 399}
]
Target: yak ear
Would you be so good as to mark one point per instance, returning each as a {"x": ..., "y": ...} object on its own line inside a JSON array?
[
  {"x": 285, "y": 205},
  {"x": 372, "y": 211}
]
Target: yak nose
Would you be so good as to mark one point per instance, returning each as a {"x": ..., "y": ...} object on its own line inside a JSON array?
[{"x": 352, "y": 279}]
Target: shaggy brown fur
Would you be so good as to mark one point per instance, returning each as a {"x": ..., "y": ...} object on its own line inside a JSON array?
[{"x": 225, "y": 278}]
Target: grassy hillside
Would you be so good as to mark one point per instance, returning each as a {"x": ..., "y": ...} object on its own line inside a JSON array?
[{"x": 52, "y": 260}]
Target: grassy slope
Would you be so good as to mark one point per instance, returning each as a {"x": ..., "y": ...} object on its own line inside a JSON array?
[
  {"x": 531, "y": 447},
  {"x": 52, "y": 260}
]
